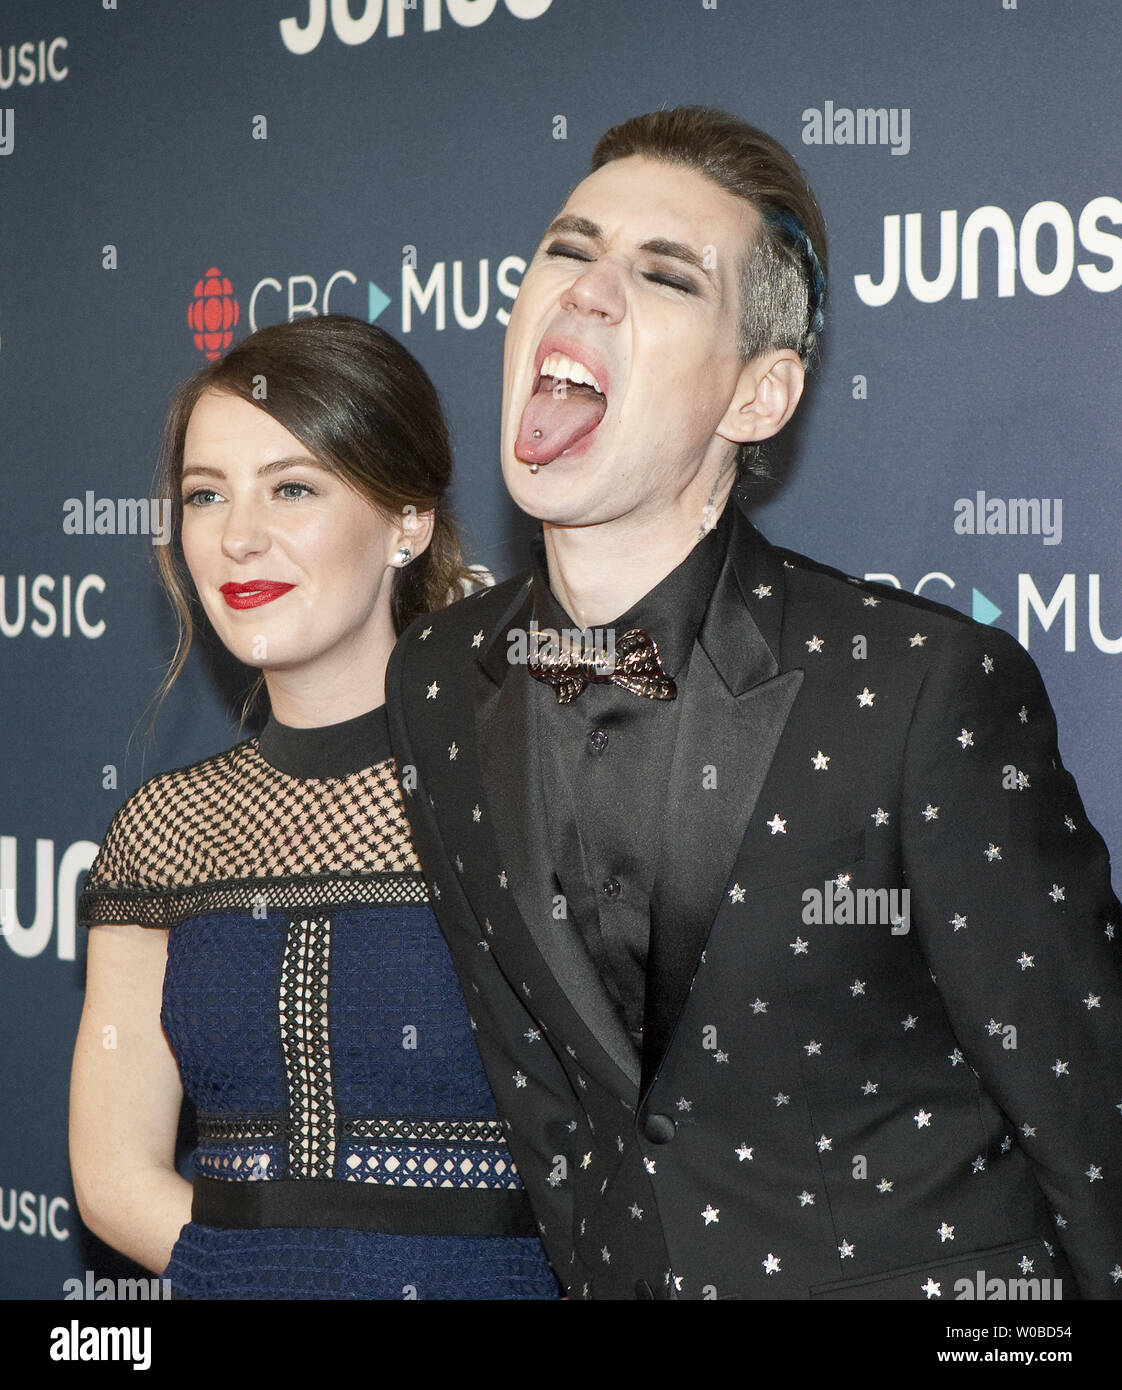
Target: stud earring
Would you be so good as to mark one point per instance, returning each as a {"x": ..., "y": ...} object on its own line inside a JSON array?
[{"x": 402, "y": 555}]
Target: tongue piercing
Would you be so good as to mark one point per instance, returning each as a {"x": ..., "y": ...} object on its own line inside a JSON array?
[{"x": 537, "y": 434}]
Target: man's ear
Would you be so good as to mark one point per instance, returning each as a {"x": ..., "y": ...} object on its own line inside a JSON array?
[
  {"x": 414, "y": 530},
  {"x": 767, "y": 392}
]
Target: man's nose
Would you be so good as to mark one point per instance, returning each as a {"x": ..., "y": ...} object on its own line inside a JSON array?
[{"x": 598, "y": 291}]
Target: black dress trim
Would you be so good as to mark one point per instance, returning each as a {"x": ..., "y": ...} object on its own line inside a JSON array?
[
  {"x": 409, "y": 1211},
  {"x": 167, "y": 907}
]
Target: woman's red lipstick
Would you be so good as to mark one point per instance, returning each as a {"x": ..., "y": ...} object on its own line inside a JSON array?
[{"x": 253, "y": 593}]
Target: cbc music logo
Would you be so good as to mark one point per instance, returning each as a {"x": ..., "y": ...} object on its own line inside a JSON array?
[
  {"x": 32, "y": 1213},
  {"x": 1063, "y": 606},
  {"x": 474, "y": 292},
  {"x": 213, "y": 314},
  {"x": 469, "y": 293},
  {"x": 60, "y": 605},
  {"x": 33, "y": 63},
  {"x": 300, "y": 38}
]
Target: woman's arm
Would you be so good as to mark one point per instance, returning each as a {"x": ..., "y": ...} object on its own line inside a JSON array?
[{"x": 125, "y": 1096}]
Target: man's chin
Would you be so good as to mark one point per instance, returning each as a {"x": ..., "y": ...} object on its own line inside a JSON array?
[
  {"x": 532, "y": 500},
  {"x": 556, "y": 506},
  {"x": 545, "y": 494}
]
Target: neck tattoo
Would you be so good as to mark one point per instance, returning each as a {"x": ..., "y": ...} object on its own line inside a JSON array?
[{"x": 709, "y": 513}]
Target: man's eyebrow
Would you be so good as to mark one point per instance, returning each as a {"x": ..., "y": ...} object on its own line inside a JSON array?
[
  {"x": 576, "y": 226},
  {"x": 277, "y": 466}
]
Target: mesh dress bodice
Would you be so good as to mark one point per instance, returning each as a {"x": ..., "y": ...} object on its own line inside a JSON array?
[{"x": 348, "y": 1142}]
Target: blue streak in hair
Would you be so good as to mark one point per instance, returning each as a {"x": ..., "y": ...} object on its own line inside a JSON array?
[{"x": 785, "y": 221}]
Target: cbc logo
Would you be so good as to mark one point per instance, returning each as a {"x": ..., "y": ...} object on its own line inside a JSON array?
[
  {"x": 300, "y": 295},
  {"x": 304, "y": 38}
]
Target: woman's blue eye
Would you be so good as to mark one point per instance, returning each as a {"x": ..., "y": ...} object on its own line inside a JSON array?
[
  {"x": 195, "y": 499},
  {"x": 302, "y": 490}
]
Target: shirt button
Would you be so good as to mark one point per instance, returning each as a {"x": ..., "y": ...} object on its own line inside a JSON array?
[
  {"x": 597, "y": 740},
  {"x": 659, "y": 1129},
  {"x": 611, "y": 888}
]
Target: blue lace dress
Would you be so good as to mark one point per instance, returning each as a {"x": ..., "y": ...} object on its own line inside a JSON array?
[{"x": 348, "y": 1142}]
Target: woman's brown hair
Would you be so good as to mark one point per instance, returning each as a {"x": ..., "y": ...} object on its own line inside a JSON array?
[{"x": 365, "y": 407}]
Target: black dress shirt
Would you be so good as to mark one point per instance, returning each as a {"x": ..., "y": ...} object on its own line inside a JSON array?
[{"x": 605, "y": 759}]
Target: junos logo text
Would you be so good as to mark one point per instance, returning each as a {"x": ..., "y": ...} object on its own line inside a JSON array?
[
  {"x": 304, "y": 38},
  {"x": 33, "y": 939},
  {"x": 1020, "y": 250}
]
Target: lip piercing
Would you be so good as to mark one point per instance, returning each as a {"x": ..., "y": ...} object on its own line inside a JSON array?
[{"x": 534, "y": 468}]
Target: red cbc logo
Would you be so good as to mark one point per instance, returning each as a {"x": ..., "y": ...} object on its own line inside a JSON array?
[{"x": 213, "y": 313}]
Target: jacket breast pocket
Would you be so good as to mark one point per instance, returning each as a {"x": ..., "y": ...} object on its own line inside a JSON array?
[{"x": 806, "y": 865}]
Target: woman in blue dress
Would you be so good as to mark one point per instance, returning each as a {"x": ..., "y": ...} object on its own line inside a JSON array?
[{"x": 260, "y": 937}]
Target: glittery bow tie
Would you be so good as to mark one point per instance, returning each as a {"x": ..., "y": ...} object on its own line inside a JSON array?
[{"x": 636, "y": 668}]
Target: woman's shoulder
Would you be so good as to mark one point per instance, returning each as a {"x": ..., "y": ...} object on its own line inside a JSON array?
[
  {"x": 153, "y": 842},
  {"x": 179, "y": 789}
]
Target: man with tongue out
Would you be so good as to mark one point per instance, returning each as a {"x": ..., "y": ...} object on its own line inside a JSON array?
[{"x": 793, "y": 973}]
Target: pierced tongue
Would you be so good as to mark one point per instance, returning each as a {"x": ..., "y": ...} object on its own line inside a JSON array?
[{"x": 562, "y": 416}]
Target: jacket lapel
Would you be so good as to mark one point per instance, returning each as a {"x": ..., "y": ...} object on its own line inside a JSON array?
[
  {"x": 512, "y": 780},
  {"x": 735, "y": 707}
]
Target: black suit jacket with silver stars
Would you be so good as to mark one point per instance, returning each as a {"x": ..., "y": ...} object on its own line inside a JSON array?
[{"x": 821, "y": 1109}]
